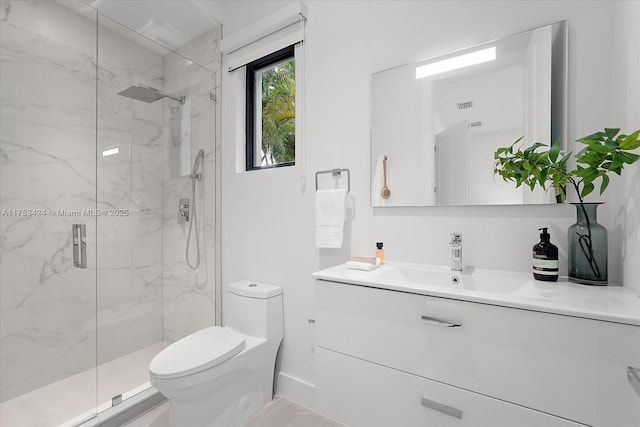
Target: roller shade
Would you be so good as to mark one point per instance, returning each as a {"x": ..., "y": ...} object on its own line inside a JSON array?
[{"x": 270, "y": 34}]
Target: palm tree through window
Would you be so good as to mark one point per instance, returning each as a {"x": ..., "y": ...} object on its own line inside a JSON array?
[{"x": 271, "y": 110}]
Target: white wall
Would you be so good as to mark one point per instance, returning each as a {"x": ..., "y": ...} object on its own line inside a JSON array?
[
  {"x": 627, "y": 111},
  {"x": 268, "y": 221}
]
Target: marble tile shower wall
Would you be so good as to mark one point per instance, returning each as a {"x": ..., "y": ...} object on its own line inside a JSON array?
[
  {"x": 47, "y": 130},
  {"x": 48, "y": 139},
  {"x": 189, "y": 297}
]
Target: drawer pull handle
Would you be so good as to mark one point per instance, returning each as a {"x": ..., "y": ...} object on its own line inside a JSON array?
[
  {"x": 448, "y": 410},
  {"x": 440, "y": 322},
  {"x": 634, "y": 378}
]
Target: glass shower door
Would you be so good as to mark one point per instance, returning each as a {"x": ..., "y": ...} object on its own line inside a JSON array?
[
  {"x": 130, "y": 198},
  {"x": 155, "y": 112},
  {"x": 48, "y": 212}
]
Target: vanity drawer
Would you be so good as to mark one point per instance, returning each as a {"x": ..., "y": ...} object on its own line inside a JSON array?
[
  {"x": 570, "y": 367},
  {"x": 363, "y": 394}
]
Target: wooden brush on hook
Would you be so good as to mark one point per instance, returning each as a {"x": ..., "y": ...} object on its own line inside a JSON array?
[{"x": 385, "y": 192}]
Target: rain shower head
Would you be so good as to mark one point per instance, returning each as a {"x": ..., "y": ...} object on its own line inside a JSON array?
[{"x": 147, "y": 94}]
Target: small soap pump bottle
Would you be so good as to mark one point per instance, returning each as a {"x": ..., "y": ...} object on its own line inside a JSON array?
[
  {"x": 545, "y": 259},
  {"x": 379, "y": 254}
]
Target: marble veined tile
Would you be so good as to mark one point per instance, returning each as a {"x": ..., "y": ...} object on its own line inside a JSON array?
[
  {"x": 121, "y": 118},
  {"x": 182, "y": 73},
  {"x": 146, "y": 250},
  {"x": 188, "y": 301},
  {"x": 56, "y": 337},
  {"x": 147, "y": 124},
  {"x": 65, "y": 163},
  {"x": 37, "y": 265},
  {"x": 146, "y": 176},
  {"x": 189, "y": 297},
  {"x": 46, "y": 83},
  {"x": 204, "y": 49},
  {"x": 129, "y": 326},
  {"x": 123, "y": 51},
  {"x": 73, "y": 30}
]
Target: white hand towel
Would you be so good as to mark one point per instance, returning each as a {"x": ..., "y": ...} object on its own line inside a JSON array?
[
  {"x": 330, "y": 217},
  {"x": 365, "y": 266},
  {"x": 378, "y": 183}
]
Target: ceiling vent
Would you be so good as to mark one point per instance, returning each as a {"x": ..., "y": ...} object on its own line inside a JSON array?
[{"x": 464, "y": 105}]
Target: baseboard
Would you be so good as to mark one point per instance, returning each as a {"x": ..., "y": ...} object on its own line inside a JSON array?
[{"x": 296, "y": 390}]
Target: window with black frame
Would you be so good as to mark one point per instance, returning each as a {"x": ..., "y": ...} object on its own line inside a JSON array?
[{"x": 271, "y": 110}]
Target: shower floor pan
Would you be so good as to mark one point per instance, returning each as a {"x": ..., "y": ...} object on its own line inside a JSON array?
[{"x": 73, "y": 400}]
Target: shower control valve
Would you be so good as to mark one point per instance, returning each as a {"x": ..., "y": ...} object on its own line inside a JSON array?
[{"x": 183, "y": 211}]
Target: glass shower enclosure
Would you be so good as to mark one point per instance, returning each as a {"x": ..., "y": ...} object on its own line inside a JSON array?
[{"x": 85, "y": 173}]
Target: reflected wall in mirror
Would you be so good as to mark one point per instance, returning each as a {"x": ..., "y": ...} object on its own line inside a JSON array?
[{"x": 439, "y": 121}]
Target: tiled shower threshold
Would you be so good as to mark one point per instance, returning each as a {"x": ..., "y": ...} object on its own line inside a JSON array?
[{"x": 71, "y": 401}]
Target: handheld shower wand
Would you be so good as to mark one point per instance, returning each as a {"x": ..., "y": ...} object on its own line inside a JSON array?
[
  {"x": 196, "y": 166},
  {"x": 195, "y": 176}
]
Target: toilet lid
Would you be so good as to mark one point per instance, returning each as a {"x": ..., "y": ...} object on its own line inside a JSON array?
[{"x": 196, "y": 352}]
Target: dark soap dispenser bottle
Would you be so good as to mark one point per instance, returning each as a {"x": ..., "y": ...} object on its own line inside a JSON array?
[{"x": 545, "y": 259}]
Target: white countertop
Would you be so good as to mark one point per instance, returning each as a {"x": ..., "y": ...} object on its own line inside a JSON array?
[{"x": 503, "y": 288}]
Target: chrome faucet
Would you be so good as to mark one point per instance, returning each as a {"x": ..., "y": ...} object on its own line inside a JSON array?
[{"x": 456, "y": 251}]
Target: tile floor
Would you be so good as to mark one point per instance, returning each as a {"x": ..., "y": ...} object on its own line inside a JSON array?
[
  {"x": 72, "y": 400},
  {"x": 279, "y": 413}
]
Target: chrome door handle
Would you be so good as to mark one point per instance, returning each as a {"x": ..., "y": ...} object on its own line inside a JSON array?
[
  {"x": 440, "y": 407},
  {"x": 79, "y": 237},
  {"x": 633, "y": 374},
  {"x": 440, "y": 322}
]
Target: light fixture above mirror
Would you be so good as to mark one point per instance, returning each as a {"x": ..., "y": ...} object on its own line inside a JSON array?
[{"x": 455, "y": 63}]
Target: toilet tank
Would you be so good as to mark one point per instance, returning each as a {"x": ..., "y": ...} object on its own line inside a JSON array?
[{"x": 254, "y": 309}]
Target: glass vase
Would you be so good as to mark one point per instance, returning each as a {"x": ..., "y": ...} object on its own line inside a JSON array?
[{"x": 587, "y": 256}]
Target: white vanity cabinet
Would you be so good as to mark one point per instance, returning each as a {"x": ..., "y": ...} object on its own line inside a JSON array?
[
  {"x": 359, "y": 393},
  {"x": 391, "y": 358}
]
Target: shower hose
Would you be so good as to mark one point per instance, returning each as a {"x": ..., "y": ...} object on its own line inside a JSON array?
[{"x": 191, "y": 225}]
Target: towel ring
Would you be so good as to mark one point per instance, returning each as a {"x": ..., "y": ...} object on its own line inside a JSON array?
[{"x": 336, "y": 172}]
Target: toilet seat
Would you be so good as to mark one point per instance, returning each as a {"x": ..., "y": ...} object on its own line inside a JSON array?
[{"x": 196, "y": 352}]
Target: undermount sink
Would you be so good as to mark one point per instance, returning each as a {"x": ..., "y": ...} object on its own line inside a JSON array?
[
  {"x": 420, "y": 274},
  {"x": 470, "y": 279},
  {"x": 427, "y": 278}
]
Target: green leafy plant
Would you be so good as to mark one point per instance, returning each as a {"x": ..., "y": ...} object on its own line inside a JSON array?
[
  {"x": 544, "y": 166},
  {"x": 279, "y": 113}
]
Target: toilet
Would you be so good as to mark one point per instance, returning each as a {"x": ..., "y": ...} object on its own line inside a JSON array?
[{"x": 220, "y": 376}]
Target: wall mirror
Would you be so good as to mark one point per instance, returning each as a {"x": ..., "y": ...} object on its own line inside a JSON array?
[{"x": 435, "y": 124}]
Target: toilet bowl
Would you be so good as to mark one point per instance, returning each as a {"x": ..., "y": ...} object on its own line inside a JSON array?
[{"x": 220, "y": 376}]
